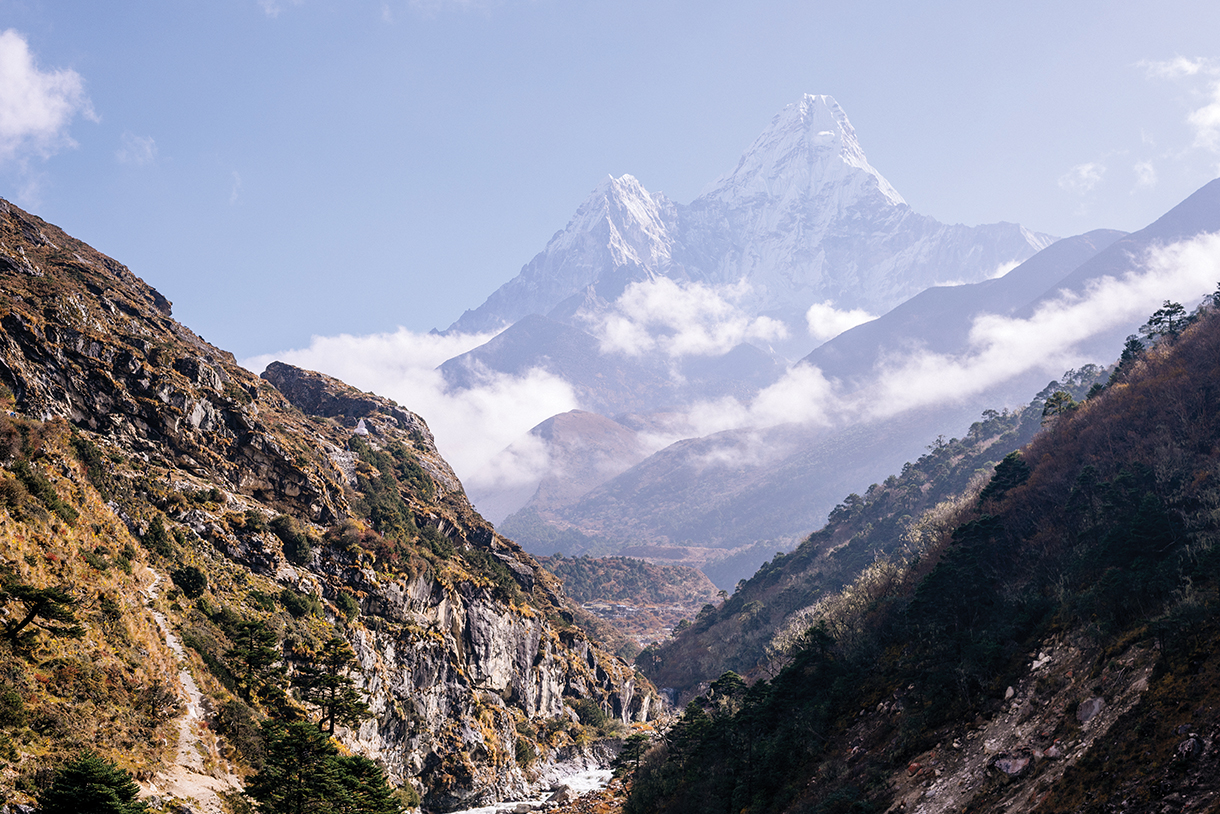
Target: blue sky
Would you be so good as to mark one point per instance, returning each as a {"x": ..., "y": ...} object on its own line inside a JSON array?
[{"x": 286, "y": 168}]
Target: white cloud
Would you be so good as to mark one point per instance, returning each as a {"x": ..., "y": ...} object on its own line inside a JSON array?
[
  {"x": 482, "y": 430},
  {"x": 1176, "y": 68},
  {"x": 1205, "y": 119},
  {"x": 1003, "y": 347},
  {"x": 235, "y": 188},
  {"x": 272, "y": 8},
  {"x": 826, "y": 322},
  {"x": 472, "y": 425},
  {"x": 1145, "y": 175},
  {"x": 999, "y": 348},
  {"x": 36, "y": 107},
  {"x": 681, "y": 319},
  {"x": 433, "y": 7},
  {"x": 1206, "y": 122},
  {"x": 1082, "y": 178},
  {"x": 137, "y": 150}
]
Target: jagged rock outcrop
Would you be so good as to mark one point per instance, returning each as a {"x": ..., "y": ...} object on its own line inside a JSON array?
[{"x": 463, "y": 643}]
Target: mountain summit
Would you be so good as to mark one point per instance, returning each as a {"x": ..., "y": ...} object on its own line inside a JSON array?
[
  {"x": 802, "y": 219},
  {"x": 809, "y": 148}
]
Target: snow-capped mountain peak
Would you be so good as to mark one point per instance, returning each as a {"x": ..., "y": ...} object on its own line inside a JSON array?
[
  {"x": 808, "y": 147},
  {"x": 803, "y": 218}
]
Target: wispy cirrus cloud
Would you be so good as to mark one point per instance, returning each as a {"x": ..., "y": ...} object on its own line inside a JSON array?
[
  {"x": 1203, "y": 77},
  {"x": 273, "y": 8},
  {"x": 1081, "y": 179},
  {"x": 136, "y": 150},
  {"x": 36, "y": 106}
]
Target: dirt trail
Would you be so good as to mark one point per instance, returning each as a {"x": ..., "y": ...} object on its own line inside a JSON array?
[{"x": 190, "y": 777}]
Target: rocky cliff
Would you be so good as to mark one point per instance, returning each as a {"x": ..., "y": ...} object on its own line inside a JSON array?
[{"x": 296, "y": 485}]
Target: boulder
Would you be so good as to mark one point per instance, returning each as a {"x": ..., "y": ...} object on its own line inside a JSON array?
[{"x": 1087, "y": 710}]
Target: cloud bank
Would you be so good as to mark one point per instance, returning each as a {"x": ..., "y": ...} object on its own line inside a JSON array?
[
  {"x": 36, "y": 106},
  {"x": 471, "y": 426},
  {"x": 483, "y": 430}
]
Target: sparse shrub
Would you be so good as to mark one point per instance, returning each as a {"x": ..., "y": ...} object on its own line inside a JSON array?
[
  {"x": 96, "y": 469},
  {"x": 236, "y": 722},
  {"x": 12, "y": 495},
  {"x": 253, "y": 520},
  {"x": 94, "y": 559},
  {"x": 156, "y": 539},
  {"x": 296, "y": 541},
  {"x": 299, "y": 604},
  {"x": 12, "y": 708},
  {"x": 589, "y": 712},
  {"x": 347, "y": 605},
  {"x": 43, "y": 489},
  {"x": 262, "y": 599},
  {"x": 191, "y": 580},
  {"x": 526, "y": 753}
]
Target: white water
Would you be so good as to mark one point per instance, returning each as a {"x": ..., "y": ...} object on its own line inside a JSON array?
[{"x": 581, "y": 782}]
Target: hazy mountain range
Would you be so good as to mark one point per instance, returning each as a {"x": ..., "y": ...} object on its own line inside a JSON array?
[{"x": 717, "y": 423}]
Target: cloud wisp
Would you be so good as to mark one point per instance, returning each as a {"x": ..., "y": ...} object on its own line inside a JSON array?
[
  {"x": 681, "y": 319},
  {"x": 1204, "y": 119},
  {"x": 825, "y": 322},
  {"x": 139, "y": 151},
  {"x": 36, "y": 106},
  {"x": 1081, "y": 179},
  {"x": 1000, "y": 348}
]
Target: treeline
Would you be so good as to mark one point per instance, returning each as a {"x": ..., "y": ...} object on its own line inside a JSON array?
[{"x": 1107, "y": 522}]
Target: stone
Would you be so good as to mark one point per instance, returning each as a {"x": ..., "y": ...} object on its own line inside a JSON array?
[
  {"x": 1012, "y": 766},
  {"x": 1190, "y": 749},
  {"x": 1009, "y": 693},
  {"x": 1087, "y": 710},
  {"x": 562, "y": 796}
]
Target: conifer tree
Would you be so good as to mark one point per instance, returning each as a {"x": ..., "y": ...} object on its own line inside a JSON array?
[
  {"x": 91, "y": 784},
  {"x": 48, "y": 608},
  {"x": 304, "y": 773},
  {"x": 324, "y": 681}
]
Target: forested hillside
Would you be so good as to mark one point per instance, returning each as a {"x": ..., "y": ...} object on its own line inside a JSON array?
[
  {"x": 1049, "y": 645},
  {"x": 886, "y": 525}
]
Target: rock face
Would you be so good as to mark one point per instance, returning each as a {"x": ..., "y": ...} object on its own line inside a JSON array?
[
  {"x": 463, "y": 644},
  {"x": 802, "y": 218}
]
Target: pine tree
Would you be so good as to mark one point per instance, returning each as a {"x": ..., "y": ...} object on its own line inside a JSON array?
[
  {"x": 324, "y": 681},
  {"x": 49, "y": 608},
  {"x": 304, "y": 773},
  {"x": 91, "y": 784},
  {"x": 254, "y": 657}
]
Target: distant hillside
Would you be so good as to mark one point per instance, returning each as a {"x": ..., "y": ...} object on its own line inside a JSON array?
[
  {"x": 861, "y": 529},
  {"x": 1047, "y": 644},
  {"x": 642, "y": 600},
  {"x": 626, "y": 579}
]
